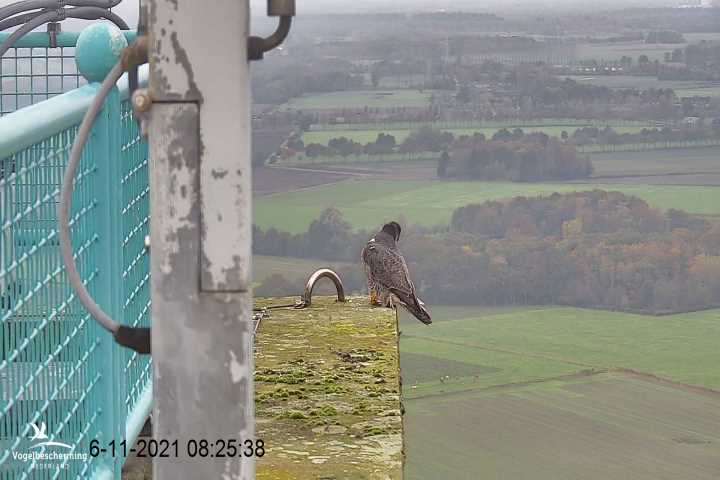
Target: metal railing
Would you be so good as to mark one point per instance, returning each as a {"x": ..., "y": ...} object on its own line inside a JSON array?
[
  {"x": 59, "y": 368},
  {"x": 38, "y": 68}
]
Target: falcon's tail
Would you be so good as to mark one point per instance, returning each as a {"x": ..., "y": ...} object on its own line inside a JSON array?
[{"x": 415, "y": 306}]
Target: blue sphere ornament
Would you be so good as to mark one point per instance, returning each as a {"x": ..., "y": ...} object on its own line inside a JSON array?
[{"x": 98, "y": 49}]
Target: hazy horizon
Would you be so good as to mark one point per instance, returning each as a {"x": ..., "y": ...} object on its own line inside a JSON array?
[{"x": 128, "y": 8}]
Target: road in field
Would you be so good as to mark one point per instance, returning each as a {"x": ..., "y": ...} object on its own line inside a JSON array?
[{"x": 269, "y": 180}]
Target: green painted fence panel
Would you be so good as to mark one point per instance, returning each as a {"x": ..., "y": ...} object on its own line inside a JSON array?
[{"x": 58, "y": 368}]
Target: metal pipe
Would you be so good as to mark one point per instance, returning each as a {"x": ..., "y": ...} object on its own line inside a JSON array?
[
  {"x": 27, "y": 28},
  {"x": 64, "y": 39}
]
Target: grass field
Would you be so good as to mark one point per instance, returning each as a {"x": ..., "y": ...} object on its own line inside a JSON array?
[
  {"x": 370, "y": 135},
  {"x": 565, "y": 340},
  {"x": 535, "y": 393},
  {"x": 293, "y": 269},
  {"x": 698, "y": 92},
  {"x": 367, "y": 204},
  {"x": 658, "y": 162},
  {"x": 359, "y": 99},
  {"x": 597, "y": 428}
]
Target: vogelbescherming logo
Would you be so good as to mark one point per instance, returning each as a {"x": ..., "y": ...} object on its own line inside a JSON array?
[
  {"x": 50, "y": 459},
  {"x": 41, "y": 435}
]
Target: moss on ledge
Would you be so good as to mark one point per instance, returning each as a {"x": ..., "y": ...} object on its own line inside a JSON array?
[{"x": 327, "y": 392}]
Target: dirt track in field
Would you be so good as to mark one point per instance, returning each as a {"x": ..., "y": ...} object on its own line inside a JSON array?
[{"x": 269, "y": 180}]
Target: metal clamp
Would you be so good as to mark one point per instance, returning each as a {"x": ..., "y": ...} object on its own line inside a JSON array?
[{"x": 53, "y": 29}]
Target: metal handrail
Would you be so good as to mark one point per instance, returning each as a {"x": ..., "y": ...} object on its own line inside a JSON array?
[
  {"x": 63, "y": 39},
  {"x": 30, "y": 125}
]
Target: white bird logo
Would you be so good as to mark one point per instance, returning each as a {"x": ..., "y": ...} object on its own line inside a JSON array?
[
  {"x": 39, "y": 432},
  {"x": 41, "y": 435}
]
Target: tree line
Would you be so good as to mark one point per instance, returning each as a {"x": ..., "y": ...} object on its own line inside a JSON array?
[
  {"x": 478, "y": 157},
  {"x": 593, "y": 249},
  {"x": 518, "y": 158}
]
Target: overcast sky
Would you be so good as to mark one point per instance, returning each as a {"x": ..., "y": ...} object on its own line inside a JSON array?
[{"x": 128, "y": 8}]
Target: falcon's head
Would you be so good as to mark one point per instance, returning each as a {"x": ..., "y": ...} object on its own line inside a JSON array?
[{"x": 393, "y": 229}]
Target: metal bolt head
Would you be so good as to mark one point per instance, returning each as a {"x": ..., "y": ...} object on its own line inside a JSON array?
[{"x": 141, "y": 100}]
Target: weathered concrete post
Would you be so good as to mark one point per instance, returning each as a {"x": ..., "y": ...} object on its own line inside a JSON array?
[{"x": 200, "y": 237}]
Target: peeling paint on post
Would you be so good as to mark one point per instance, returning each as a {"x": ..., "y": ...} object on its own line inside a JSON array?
[
  {"x": 209, "y": 66},
  {"x": 201, "y": 234}
]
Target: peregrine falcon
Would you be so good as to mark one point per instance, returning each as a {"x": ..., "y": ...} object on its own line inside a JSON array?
[{"x": 387, "y": 273}]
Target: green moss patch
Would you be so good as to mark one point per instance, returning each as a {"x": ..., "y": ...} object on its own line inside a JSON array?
[{"x": 328, "y": 395}]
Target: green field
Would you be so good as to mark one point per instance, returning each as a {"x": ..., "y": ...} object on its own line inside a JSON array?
[
  {"x": 698, "y": 92},
  {"x": 538, "y": 393},
  {"x": 597, "y": 428},
  {"x": 359, "y": 99},
  {"x": 658, "y": 162},
  {"x": 294, "y": 269},
  {"x": 545, "y": 342},
  {"x": 367, "y": 204},
  {"x": 370, "y": 135}
]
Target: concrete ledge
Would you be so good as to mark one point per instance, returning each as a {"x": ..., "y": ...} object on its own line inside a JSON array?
[{"x": 328, "y": 394}]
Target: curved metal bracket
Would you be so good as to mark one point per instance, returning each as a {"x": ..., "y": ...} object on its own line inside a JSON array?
[
  {"x": 258, "y": 46},
  {"x": 306, "y": 299}
]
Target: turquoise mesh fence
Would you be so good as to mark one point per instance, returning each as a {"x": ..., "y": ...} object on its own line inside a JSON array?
[
  {"x": 58, "y": 368},
  {"x": 33, "y": 71}
]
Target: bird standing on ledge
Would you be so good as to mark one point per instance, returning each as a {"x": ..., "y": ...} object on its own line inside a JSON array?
[{"x": 388, "y": 276}]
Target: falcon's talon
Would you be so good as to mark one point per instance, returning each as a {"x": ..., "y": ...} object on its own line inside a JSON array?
[{"x": 374, "y": 298}]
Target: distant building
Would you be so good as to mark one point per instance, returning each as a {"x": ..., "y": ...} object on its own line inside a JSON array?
[
  {"x": 701, "y": 4},
  {"x": 690, "y": 121}
]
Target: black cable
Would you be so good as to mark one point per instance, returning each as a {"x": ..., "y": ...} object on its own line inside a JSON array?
[
  {"x": 26, "y": 5},
  {"x": 19, "y": 20},
  {"x": 94, "y": 13},
  {"x": 27, "y": 28},
  {"x": 274, "y": 307}
]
